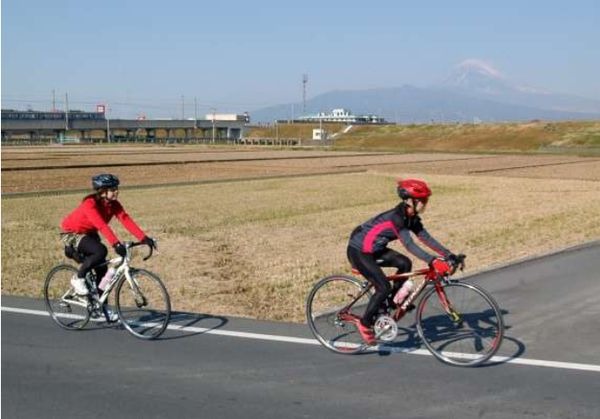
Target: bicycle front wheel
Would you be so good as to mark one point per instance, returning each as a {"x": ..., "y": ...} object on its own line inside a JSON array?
[
  {"x": 69, "y": 310},
  {"x": 143, "y": 304},
  {"x": 332, "y": 315},
  {"x": 460, "y": 324}
]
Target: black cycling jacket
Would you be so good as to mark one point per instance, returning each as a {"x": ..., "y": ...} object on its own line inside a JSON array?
[{"x": 373, "y": 235}]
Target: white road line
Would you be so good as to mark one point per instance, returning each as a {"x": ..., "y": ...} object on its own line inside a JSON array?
[
  {"x": 277, "y": 338},
  {"x": 304, "y": 341}
]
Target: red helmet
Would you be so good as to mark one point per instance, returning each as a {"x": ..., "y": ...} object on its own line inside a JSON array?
[{"x": 413, "y": 188}]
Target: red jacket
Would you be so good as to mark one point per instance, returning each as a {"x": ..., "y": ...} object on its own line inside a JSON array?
[{"x": 94, "y": 215}]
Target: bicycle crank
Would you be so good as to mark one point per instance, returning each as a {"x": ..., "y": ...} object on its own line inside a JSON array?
[
  {"x": 385, "y": 328},
  {"x": 65, "y": 306}
]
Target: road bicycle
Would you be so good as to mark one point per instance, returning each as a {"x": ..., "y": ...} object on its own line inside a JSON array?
[
  {"x": 142, "y": 302},
  {"x": 459, "y": 322}
]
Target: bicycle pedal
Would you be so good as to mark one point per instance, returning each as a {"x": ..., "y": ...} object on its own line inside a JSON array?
[{"x": 96, "y": 314}]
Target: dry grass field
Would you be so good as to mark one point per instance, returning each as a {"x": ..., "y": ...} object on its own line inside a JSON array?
[
  {"x": 59, "y": 168},
  {"x": 255, "y": 247},
  {"x": 535, "y": 136},
  {"x": 294, "y": 130},
  {"x": 529, "y": 137}
]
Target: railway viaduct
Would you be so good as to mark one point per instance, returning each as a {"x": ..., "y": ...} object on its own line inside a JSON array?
[{"x": 28, "y": 129}]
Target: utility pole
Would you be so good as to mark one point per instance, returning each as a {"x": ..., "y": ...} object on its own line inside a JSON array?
[
  {"x": 304, "y": 81},
  {"x": 321, "y": 126},
  {"x": 195, "y": 114},
  {"x": 107, "y": 123},
  {"x": 213, "y": 125},
  {"x": 66, "y": 111},
  {"x": 182, "y": 108},
  {"x": 53, "y": 100}
]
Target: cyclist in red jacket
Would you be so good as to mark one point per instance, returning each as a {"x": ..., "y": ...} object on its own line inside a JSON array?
[
  {"x": 368, "y": 251},
  {"x": 80, "y": 230}
]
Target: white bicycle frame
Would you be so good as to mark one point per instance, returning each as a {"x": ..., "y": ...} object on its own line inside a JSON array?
[{"x": 122, "y": 268}]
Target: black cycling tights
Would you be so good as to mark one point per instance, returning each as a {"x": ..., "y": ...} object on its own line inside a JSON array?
[
  {"x": 369, "y": 265},
  {"x": 95, "y": 254}
]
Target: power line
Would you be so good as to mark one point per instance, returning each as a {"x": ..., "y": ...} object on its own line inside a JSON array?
[{"x": 135, "y": 102}]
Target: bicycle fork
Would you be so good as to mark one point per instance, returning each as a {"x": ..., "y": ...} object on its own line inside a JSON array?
[
  {"x": 454, "y": 315},
  {"x": 138, "y": 296}
]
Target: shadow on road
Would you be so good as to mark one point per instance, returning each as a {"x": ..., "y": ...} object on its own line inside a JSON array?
[
  {"x": 408, "y": 340},
  {"x": 183, "y": 325}
]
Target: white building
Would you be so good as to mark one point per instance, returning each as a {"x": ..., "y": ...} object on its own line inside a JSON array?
[
  {"x": 319, "y": 134},
  {"x": 344, "y": 116}
]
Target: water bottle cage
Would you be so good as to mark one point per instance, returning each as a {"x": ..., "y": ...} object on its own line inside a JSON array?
[
  {"x": 412, "y": 295},
  {"x": 113, "y": 280}
]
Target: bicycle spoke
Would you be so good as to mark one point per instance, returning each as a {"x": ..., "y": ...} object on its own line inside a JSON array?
[
  {"x": 331, "y": 315},
  {"x": 461, "y": 327},
  {"x": 143, "y": 305},
  {"x": 67, "y": 309}
]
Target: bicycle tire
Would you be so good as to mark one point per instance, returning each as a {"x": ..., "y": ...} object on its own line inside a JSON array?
[
  {"x": 143, "y": 306},
  {"x": 468, "y": 338},
  {"x": 65, "y": 307},
  {"x": 323, "y": 303}
]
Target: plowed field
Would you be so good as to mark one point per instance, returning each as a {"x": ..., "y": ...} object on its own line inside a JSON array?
[{"x": 254, "y": 246}]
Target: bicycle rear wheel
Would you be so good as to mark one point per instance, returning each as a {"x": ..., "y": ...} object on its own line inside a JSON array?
[
  {"x": 69, "y": 310},
  {"x": 461, "y": 324},
  {"x": 328, "y": 315},
  {"x": 143, "y": 304}
]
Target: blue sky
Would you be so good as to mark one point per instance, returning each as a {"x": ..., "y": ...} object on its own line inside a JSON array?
[{"x": 235, "y": 56}]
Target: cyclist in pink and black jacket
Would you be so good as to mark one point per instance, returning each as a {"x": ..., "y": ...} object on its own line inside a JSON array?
[
  {"x": 80, "y": 230},
  {"x": 368, "y": 251}
]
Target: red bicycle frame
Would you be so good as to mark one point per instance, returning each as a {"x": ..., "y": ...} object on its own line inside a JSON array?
[{"x": 430, "y": 277}]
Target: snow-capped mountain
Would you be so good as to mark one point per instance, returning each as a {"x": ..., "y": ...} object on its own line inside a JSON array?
[
  {"x": 474, "y": 90},
  {"x": 477, "y": 78}
]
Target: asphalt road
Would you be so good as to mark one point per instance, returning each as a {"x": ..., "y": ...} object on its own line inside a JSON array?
[{"x": 217, "y": 367}]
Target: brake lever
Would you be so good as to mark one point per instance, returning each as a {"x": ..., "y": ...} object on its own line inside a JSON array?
[
  {"x": 461, "y": 259},
  {"x": 149, "y": 254}
]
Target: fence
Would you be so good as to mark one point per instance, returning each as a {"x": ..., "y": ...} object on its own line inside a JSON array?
[{"x": 282, "y": 142}]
